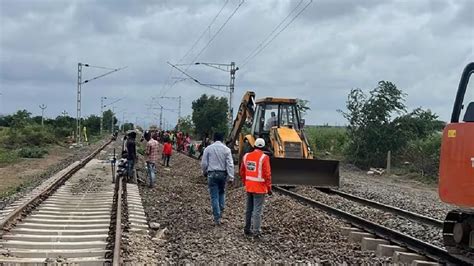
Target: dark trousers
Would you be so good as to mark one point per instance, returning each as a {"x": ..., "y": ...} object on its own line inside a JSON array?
[
  {"x": 166, "y": 160},
  {"x": 253, "y": 214}
]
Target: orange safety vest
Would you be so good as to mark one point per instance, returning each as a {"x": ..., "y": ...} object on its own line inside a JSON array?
[{"x": 255, "y": 172}]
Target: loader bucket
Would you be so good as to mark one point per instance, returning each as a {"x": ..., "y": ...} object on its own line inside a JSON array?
[{"x": 306, "y": 172}]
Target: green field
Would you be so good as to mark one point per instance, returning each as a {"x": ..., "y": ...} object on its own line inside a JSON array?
[{"x": 327, "y": 141}]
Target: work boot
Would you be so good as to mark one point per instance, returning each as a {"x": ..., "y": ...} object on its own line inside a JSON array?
[{"x": 247, "y": 232}]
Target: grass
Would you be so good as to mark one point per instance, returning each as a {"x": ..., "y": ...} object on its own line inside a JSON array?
[{"x": 8, "y": 157}]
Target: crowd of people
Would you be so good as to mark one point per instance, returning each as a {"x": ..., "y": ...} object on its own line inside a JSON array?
[{"x": 217, "y": 166}]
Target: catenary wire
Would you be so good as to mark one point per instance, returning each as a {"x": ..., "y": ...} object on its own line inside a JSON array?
[
  {"x": 273, "y": 38},
  {"x": 271, "y": 33}
]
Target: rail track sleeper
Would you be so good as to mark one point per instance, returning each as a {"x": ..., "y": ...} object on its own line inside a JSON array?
[
  {"x": 55, "y": 238},
  {"x": 58, "y": 232},
  {"x": 69, "y": 253},
  {"x": 59, "y": 226}
]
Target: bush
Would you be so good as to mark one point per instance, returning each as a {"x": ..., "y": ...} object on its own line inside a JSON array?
[
  {"x": 32, "y": 152},
  {"x": 30, "y": 135},
  {"x": 7, "y": 157},
  {"x": 423, "y": 155}
]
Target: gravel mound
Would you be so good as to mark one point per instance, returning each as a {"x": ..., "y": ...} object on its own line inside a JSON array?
[{"x": 292, "y": 232}]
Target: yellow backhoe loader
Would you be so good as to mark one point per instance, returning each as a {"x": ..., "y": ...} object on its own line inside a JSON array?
[{"x": 278, "y": 121}]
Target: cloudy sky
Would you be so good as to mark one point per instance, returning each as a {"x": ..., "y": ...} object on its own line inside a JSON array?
[{"x": 329, "y": 48}]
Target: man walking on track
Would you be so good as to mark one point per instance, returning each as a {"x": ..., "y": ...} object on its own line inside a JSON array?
[
  {"x": 218, "y": 166},
  {"x": 257, "y": 178},
  {"x": 151, "y": 153},
  {"x": 131, "y": 156}
]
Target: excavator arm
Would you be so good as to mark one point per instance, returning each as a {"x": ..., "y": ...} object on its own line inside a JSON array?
[{"x": 246, "y": 111}]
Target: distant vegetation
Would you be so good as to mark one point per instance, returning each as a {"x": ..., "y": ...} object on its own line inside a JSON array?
[
  {"x": 378, "y": 123},
  {"x": 22, "y": 135}
]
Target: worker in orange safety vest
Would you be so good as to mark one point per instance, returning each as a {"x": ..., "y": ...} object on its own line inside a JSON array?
[{"x": 257, "y": 178}]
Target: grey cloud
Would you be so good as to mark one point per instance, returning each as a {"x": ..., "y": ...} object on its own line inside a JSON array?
[{"x": 334, "y": 46}]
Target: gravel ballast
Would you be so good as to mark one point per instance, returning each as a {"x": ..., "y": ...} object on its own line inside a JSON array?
[
  {"x": 292, "y": 232},
  {"x": 400, "y": 192},
  {"x": 415, "y": 229}
]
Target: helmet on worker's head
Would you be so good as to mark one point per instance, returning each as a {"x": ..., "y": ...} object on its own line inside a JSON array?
[{"x": 259, "y": 143}]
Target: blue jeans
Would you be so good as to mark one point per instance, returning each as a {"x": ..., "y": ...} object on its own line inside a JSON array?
[
  {"x": 216, "y": 182},
  {"x": 130, "y": 164},
  {"x": 151, "y": 167},
  {"x": 253, "y": 214}
]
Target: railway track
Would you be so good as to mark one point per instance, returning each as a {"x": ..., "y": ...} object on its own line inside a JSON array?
[
  {"x": 387, "y": 208},
  {"x": 433, "y": 252},
  {"x": 75, "y": 217}
]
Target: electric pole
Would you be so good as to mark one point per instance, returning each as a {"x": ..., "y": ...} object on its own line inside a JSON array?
[
  {"x": 102, "y": 113},
  {"x": 64, "y": 113},
  {"x": 79, "y": 88},
  {"x": 43, "y": 107},
  {"x": 161, "y": 117},
  {"x": 102, "y": 105},
  {"x": 78, "y": 113},
  {"x": 178, "y": 98},
  {"x": 231, "y": 68}
]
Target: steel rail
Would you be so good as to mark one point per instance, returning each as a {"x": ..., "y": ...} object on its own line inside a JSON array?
[
  {"x": 118, "y": 225},
  {"x": 429, "y": 250},
  {"x": 388, "y": 208},
  {"x": 11, "y": 217}
]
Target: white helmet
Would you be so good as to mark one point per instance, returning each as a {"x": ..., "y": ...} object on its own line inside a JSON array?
[{"x": 260, "y": 143}]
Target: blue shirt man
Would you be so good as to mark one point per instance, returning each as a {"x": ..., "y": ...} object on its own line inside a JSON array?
[{"x": 218, "y": 166}]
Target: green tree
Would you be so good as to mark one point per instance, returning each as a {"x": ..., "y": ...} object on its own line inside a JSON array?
[
  {"x": 210, "y": 115},
  {"x": 371, "y": 131},
  {"x": 108, "y": 115},
  {"x": 92, "y": 123},
  {"x": 64, "y": 126},
  {"x": 418, "y": 124},
  {"x": 126, "y": 126},
  {"x": 20, "y": 119},
  {"x": 302, "y": 106},
  {"x": 185, "y": 124}
]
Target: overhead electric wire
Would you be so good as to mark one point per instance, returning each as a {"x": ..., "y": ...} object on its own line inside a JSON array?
[
  {"x": 286, "y": 26},
  {"x": 217, "y": 32},
  {"x": 167, "y": 83},
  {"x": 271, "y": 33},
  {"x": 208, "y": 28}
]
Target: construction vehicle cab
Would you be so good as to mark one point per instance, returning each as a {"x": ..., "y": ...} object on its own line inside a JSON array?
[
  {"x": 456, "y": 171},
  {"x": 275, "y": 117},
  {"x": 278, "y": 122}
]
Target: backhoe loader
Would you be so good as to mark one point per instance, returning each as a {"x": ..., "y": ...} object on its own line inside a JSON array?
[{"x": 278, "y": 122}]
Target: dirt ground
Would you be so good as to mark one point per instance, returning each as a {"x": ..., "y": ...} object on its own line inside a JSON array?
[{"x": 28, "y": 173}]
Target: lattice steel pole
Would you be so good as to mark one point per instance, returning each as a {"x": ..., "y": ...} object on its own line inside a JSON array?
[
  {"x": 233, "y": 69},
  {"x": 102, "y": 113},
  {"x": 78, "y": 114}
]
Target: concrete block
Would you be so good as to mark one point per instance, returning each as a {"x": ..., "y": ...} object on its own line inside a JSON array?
[
  {"x": 388, "y": 250},
  {"x": 345, "y": 230},
  {"x": 356, "y": 236},
  {"x": 406, "y": 257},
  {"x": 372, "y": 243},
  {"x": 424, "y": 263}
]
